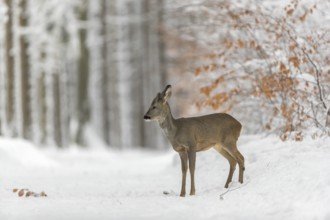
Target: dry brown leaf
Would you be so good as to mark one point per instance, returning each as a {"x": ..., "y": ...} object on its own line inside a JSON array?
[
  {"x": 252, "y": 43},
  {"x": 290, "y": 12},
  {"x": 240, "y": 43},
  {"x": 21, "y": 193},
  {"x": 303, "y": 17},
  {"x": 28, "y": 194},
  {"x": 198, "y": 70},
  {"x": 294, "y": 61}
]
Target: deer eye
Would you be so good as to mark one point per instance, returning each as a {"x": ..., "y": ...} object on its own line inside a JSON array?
[{"x": 153, "y": 107}]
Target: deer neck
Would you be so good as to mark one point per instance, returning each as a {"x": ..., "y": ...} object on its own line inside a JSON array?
[{"x": 168, "y": 123}]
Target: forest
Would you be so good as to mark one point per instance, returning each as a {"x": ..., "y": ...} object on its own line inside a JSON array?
[
  {"x": 77, "y": 78},
  {"x": 77, "y": 71}
]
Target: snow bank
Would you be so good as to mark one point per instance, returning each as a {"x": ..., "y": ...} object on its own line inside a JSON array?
[{"x": 16, "y": 151}]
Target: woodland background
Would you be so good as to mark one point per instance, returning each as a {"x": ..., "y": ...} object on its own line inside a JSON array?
[{"x": 85, "y": 71}]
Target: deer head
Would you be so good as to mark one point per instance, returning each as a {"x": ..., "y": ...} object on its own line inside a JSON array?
[{"x": 158, "y": 110}]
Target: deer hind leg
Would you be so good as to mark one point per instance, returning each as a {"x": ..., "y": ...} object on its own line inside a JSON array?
[
  {"x": 232, "y": 163},
  {"x": 241, "y": 166},
  {"x": 240, "y": 159},
  {"x": 231, "y": 148},
  {"x": 233, "y": 151}
]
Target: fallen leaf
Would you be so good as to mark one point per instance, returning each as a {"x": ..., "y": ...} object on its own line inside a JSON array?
[
  {"x": 28, "y": 194},
  {"x": 21, "y": 193}
]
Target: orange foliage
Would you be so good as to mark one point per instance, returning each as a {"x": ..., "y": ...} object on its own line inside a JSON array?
[
  {"x": 198, "y": 71},
  {"x": 252, "y": 43},
  {"x": 295, "y": 62},
  {"x": 228, "y": 44},
  {"x": 206, "y": 68},
  {"x": 275, "y": 86},
  {"x": 290, "y": 12},
  {"x": 240, "y": 43},
  {"x": 303, "y": 17}
]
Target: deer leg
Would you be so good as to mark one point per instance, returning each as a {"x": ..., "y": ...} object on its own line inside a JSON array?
[
  {"x": 240, "y": 160},
  {"x": 184, "y": 167},
  {"x": 232, "y": 164},
  {"x": 231, "y": 149},
  {"x": 192, "y": 162}
]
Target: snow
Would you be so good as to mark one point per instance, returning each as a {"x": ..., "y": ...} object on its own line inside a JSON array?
[
  {"x": 283, "y": 180},
  {"x": 23, "y": 153}
]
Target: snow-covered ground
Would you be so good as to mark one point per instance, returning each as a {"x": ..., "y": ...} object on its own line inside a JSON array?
[{"x": 284, "y": 180}]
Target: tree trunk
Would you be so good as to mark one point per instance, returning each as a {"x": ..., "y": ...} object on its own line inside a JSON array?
[
  {"x": 42, "y": 109},
  {"x": 124, "y": 73},
  {"x": 24, "y": 71},
  {"x": 65, "y": 110},
  {"x": 57, "y": 110},
  {"x": 98, "y": 67},
  {"x": 136, "y": 48},
  {"x": 153, "y": 74},
  {"x": 105, "y": 78},
  {"x": 83, "y": 67},
  {"x": 327, "y": 123},
  {"x": 9, "y": 73},
  {"x": 113, "y": 80}
]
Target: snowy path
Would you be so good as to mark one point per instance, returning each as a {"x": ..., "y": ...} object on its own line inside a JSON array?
[{"x": 283, "y": 181}]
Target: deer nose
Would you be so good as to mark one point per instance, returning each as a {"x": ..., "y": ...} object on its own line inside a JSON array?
[{"x": 146, "y": 117}]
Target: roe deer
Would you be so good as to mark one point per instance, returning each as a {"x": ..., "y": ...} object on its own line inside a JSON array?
[{"x": 191, "y": 135}]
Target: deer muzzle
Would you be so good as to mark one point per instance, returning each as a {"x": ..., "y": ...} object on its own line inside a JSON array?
[{"x": 146, "y": 117}]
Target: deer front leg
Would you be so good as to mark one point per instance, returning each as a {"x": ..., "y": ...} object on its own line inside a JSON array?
[
  {"x": 184, "y": 167},
  {"x": 192, "y": 162}
]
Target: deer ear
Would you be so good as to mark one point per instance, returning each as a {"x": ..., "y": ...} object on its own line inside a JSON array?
[{"x": 167, "y": 93}]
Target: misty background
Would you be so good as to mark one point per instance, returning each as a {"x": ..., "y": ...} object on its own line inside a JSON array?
[{"x": 85, "y": 71}]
